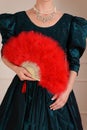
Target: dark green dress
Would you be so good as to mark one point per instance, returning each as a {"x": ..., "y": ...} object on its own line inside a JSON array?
[{"x": 30, "y": 111}]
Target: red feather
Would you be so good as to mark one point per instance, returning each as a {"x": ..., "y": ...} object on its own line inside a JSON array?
[{"x": 46, "y": 52}]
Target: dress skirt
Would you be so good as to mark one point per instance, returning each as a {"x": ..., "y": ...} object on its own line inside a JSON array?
[{"x": 30, "y": 110}]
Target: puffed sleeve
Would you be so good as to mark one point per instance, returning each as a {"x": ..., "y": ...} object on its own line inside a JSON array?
[
  {"x": 7, "y": 26},
  {"x": 77, "y": 42}
]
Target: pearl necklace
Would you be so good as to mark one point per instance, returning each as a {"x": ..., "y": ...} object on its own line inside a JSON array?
[{"x": 47, "y": 17}]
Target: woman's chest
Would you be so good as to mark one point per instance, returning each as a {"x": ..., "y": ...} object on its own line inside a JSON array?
[{"x": 59, "y": 31}]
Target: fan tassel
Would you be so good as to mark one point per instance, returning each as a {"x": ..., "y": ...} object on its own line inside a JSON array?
[{"x": 24, "y": 87}]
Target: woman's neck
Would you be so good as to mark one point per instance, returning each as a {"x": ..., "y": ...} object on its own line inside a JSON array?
[{"x": 44, "y": 5}]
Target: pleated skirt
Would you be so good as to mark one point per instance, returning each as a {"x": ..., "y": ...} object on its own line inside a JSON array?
[{"x": 30, "y": 110}]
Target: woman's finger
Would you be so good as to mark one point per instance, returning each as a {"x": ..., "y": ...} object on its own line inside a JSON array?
[
  {"x": 58, "y": 99},
  {"x": 27, "y": 73},
  {"x": 58, "y": 106},
  {"x": 54, "y": 104},
  {"x": 24, "y": 77},
  {"x": 28, "y": 78},
  {"x": 54, "y": 97}
]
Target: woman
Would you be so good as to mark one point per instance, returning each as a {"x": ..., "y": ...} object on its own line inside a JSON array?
[{"x": 39, "y": 109}]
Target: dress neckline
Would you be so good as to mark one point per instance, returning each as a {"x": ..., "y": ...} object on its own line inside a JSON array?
[{"x": 51, "y": 26}]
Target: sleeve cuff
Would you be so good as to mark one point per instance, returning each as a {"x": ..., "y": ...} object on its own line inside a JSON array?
[{"x": 75, "y": 68}]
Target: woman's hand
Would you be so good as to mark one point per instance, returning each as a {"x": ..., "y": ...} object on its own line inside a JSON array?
[
  {"x": 60, "y": 100},
  {"x": 23, "y": 74}
]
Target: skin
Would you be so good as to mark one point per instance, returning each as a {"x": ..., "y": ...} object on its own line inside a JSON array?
[{"x": 23, "y": 74}]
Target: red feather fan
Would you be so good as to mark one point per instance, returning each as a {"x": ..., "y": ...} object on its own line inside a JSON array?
[{"x": 46, "y": 53}]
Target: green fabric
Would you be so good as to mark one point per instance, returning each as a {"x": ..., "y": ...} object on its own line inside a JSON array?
[{"x": 30, "y": 111}]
